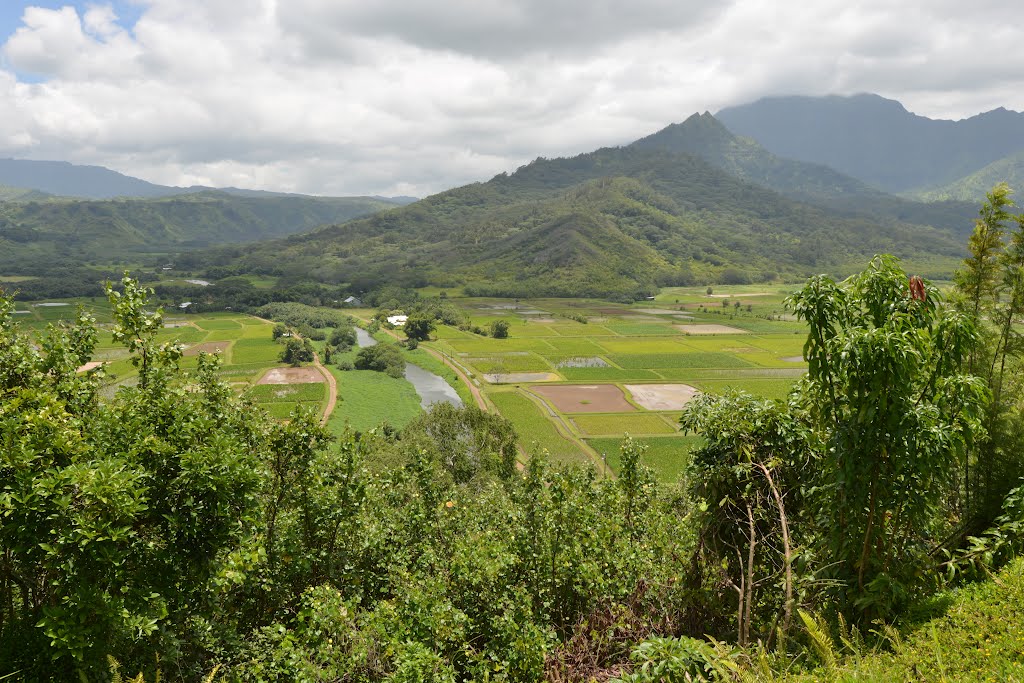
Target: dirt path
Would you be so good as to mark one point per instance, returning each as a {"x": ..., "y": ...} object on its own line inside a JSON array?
[{"x": 332, "y": 388}]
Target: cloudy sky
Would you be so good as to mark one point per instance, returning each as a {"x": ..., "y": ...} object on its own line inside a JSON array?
[{"x": 410, "y": 97}]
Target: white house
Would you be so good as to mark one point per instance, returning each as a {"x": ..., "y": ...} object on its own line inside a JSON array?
[{"x": 397, "y": 320}]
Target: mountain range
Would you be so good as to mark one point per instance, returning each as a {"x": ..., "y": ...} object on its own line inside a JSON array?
[
  {"x": 616, "y": 222},
  {"x": 881, "y": 143},
  {"x": 784, "y": 195}
]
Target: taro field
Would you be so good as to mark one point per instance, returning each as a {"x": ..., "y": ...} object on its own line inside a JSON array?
[
  {"x": 248, "y": 352},
  {"x": 575, "y": 376}
]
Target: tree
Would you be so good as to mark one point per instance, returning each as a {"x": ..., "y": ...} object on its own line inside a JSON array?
[
  {"x": 418, "y": 326},
  {"x": 888, "y": 399},
  {"x": 386, "y": 358},
  {"x": 499, "y": 329},
  {"x": 297, "y": 351},
  {"x": 114, "y": 517}
]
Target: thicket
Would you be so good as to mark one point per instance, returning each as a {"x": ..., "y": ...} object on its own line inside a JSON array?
[{"x": 297, "y": 315}]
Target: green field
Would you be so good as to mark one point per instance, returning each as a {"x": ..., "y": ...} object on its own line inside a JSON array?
[
  {"x": 367, "y": 398},
  {"x": 536, "y": 431},
  {"x": 667, "y": 455},
  {"x": 638, "y": 343}
]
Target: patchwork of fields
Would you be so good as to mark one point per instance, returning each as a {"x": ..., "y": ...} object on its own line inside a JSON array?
[
  {"x": 575, "y": 387},
  {"x": 574, "y": 376},
  {"x": 245, "y": 343}
]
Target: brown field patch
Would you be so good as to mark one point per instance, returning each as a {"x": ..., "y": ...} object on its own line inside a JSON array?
[
  {"x": 662, "y": 396},
  {"x": 709, "y": 329},
  {"x": 291, "y": 376},
  {"x": 585, "y": 398},
  {"x": 793, "y": 359},
  {"x": 207, "y": 347},
  {"x": 90, "y": 365}
]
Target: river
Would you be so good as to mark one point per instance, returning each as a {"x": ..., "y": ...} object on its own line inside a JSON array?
[{"x": 431, "y": 388}]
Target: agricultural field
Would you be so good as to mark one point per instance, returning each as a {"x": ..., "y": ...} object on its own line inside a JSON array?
[
  {"x": 248, "y": 352},
  {"x": 575, "y": 376}
]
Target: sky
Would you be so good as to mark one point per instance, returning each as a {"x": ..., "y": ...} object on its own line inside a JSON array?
[{"x": 410, "y": 97}]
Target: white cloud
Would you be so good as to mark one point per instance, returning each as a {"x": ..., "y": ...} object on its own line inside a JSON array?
[{"x": 406, "y": 96}]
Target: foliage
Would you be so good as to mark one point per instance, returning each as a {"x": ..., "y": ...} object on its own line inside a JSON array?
[
  {"x": 887, "y": 398},
  {"x": 990, "y": 286},
  {"x": 296, "y": 314},
  {"x": 386, "y": 358},
  {"x": 297, "y": 351},
  {"x": 499, "y": 329},
  {"x": 418, "y": 326}
]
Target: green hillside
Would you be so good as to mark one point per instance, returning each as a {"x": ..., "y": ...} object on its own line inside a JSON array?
[
  {"x": 972, "y": 188},
  {"x": 108, "y": 230},
  {"x": 705, "y": 136},
  {"x": 616, "y": 222}
]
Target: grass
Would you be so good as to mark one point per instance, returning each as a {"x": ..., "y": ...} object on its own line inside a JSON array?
[
  {"x": 606, "y": 374},
  {"x": 698, "y": 359},
  {"x": 367, "y": 398},
  {"x": 288, "y": 393},
  {"x": 283, "y": 411},
  {"x": 505, "y": 363},
  {"x": 979, "y": 636},
  {"x": 668, "y": 456},
  {"x": 534, "y": 428},
  {"x": 667, "y": 345},
  {"x": 643, "y": 423},
  {"x": 219, "y": 324},
  {"x": 245, "y": 351},
  {"x": 639, "y": 329},
  {"x": 765, "y": 388}
]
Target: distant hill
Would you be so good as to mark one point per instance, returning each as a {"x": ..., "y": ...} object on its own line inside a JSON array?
[
  {"x": 70, "y": 180},
  {"x": 705, "y": 136},
  {"x": 877, "y": 140},
  {"x": 63, "y": 179},
  {"x": 39, "y": 232},
  {"x": 973, "y": 187},
  {"x": 20, "y": 194},
  {"x": 613, "y": 223}
]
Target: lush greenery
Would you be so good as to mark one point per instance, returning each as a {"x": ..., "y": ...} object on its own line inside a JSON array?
[
  {"x": 110, "y": 231},
  {"x": 612, "y": 223},
  {"x": 173, "y": 527},
  {"x": 386, "y": 358}
]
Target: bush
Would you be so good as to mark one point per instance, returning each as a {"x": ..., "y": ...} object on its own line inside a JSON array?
[
  {"x": 386, "y": 358},
  {"x": 499, "y": 329}
]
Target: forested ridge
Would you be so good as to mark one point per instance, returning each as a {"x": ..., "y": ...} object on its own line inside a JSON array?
[
  {"x": 615, "y": 222},
  {"x": 173, "y": 531}
]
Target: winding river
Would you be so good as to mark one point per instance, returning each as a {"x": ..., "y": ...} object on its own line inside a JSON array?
[{"x": 431, "y": 388}]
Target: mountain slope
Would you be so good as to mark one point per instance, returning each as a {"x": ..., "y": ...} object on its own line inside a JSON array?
[
  {"x": 704, "y": 136},
  {"x": 612, "y": 222},
  {"x": 972, "y": 188},
  {"x": 109, "y": 230},
  {"x": 877, "y": 140}
]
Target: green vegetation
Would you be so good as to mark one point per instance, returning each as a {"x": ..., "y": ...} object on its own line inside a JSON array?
[
  {"x": 536, "y": 431},
  {"x": 386, "y": 358},
  {"x": 367, "y": 399},
  {"x": 615, "y": 223},
  {"x": 107, "y": 231},
  {"x": 168, "y": 523}
]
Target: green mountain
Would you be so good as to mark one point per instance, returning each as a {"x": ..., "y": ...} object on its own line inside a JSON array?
[
  {"x": 972, "y": 188},
  {"x": 21, "y": 194},
  {"x": 37, "y": 232},
  {"x": 615, "y": 222},
  {"x": 705, "y": 136},
  {"x": 877, "y": 140}
]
